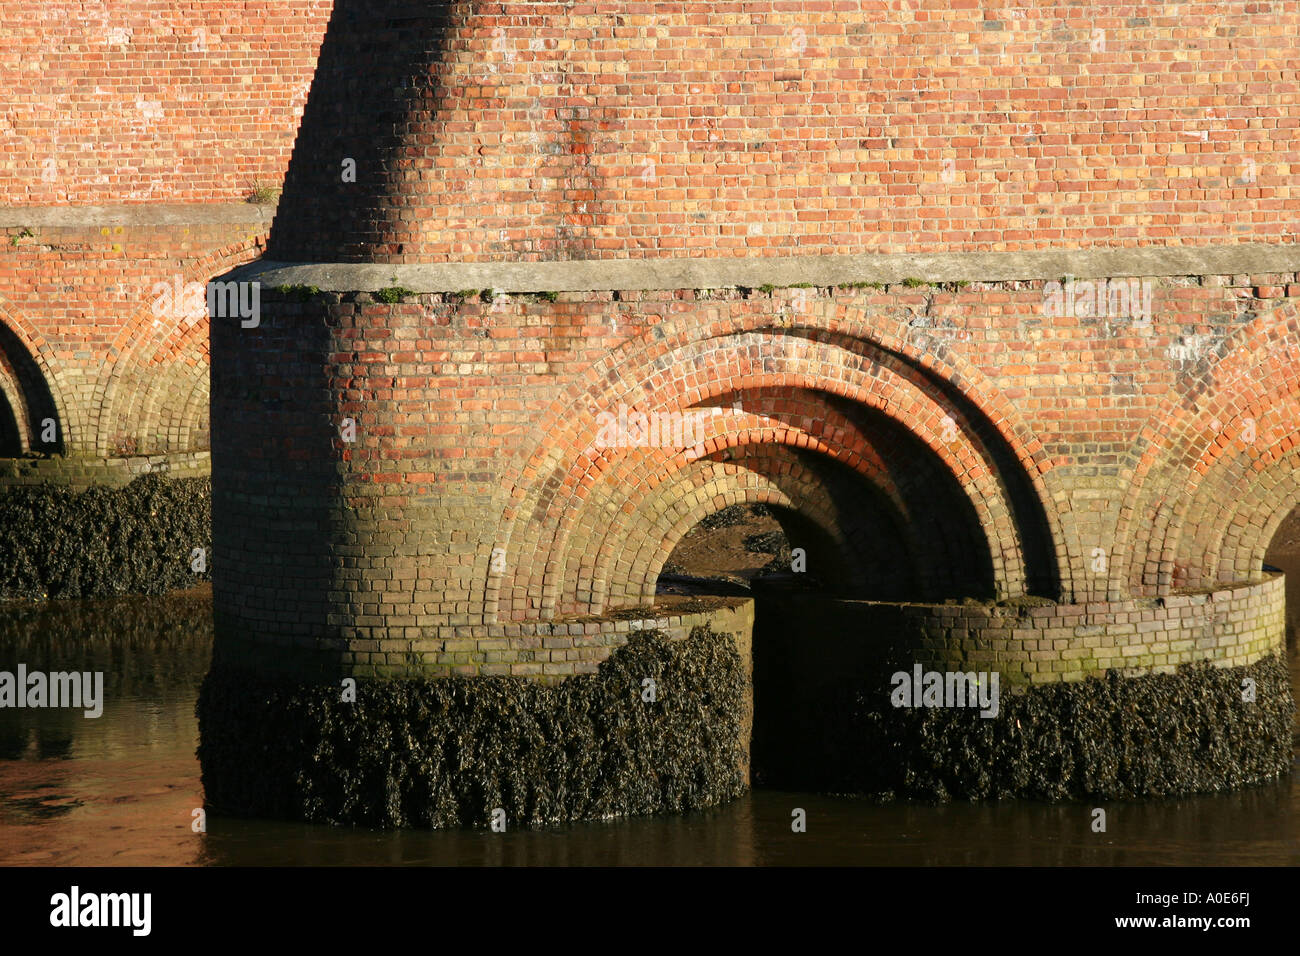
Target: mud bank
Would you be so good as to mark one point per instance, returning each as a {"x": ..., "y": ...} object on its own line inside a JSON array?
[{"x": 137, "y": 539}]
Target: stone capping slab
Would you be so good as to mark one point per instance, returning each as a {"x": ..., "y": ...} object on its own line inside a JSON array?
[
  {"x": 595, "y": 275},
  {"x": 137, "y": 214},
  {"x": 653, "y": 617},
  {"x": 1229, "y": 592}
]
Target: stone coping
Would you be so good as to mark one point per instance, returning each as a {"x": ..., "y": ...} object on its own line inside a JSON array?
[
  {"x": 1191, "y": 597},
  {"x": 592, "y": 275},
  {"x": 137, "y": 214}
]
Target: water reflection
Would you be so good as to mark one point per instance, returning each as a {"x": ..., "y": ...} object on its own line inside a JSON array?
[{"x": 121, "y": 789}]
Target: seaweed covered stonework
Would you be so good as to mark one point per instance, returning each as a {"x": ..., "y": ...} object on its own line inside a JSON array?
[
  {"x": 450, "y": 751},
  {"x": 1104, "y": 737},
  {"x": 137, "y": 539}
]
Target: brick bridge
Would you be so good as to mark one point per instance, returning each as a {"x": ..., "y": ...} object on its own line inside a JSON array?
[
  {"x": 988, "y": 303},
  {"x": 134, "y": 136}
]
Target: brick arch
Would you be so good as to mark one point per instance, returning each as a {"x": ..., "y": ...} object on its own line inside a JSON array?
[
  {"x": 1234, "y": 498},
  {"x": 174, "y": 406},
  {"x": 31, "y": 387},
  {"x": 641, "y": 536},
  {"x": 851, "y": 321},
  {"x": 566, "y": 500},
  {"x": 799, "y": 418},
  {"x": 693, "y": 494},
  {"x": 1196, "y": 466},
  {"x": 193, "y": 418},
  {"x": 1279, "y": 489},
  {"x": 130, "y": 394},
  {"x": 1016, "y": 455},
  {"x": 1249, "y": 516},
  {"x": 549, "y": 491},
  {"x": 642, "y": 540},
  {"x": 739, "y": 441}
]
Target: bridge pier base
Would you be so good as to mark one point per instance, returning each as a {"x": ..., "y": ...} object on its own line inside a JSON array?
[
  {"x": 1180, "y": 695},
  {"x": 661, "y": 724},
  {"x": 661, "y": 720}
]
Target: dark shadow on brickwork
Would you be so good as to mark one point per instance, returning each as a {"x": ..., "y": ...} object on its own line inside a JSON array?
[
  {"x": 1042, "y": 573},
  {"x": 11, "y": 438},
  {"x": 275, "y": 431},
  {"x": 905, "y": 528},
  {"x": 936, "y": 530},
  {"x": 379, "y": 62},
  {"x": 33, "y": 407},
  {"x": 1032, "y": 528}
]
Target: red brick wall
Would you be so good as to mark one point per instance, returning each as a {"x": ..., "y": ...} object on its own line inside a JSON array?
[
  {"x": 546, "y": 130},
  {"x": 136, "y": 103},
  {"x": 1090, "y": 458},
  {"x": 132, "y": 101},
  {"x": 82, "y": 303}
]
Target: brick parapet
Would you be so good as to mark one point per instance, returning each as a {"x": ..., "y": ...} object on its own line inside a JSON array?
[
  {"x": 82, "y": 473},
  {"x": 545, "y": 650},
  {"x": 1048, "y": 643}
]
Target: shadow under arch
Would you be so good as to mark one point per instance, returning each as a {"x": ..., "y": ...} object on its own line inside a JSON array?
[
  {"x": 1028, "y": 512},
  {"x": 12, "y": 438},
  {"x": 25, "y": 414},
  {"x": 628, "y": 511},
  {"x": 914, "y": 492}
]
